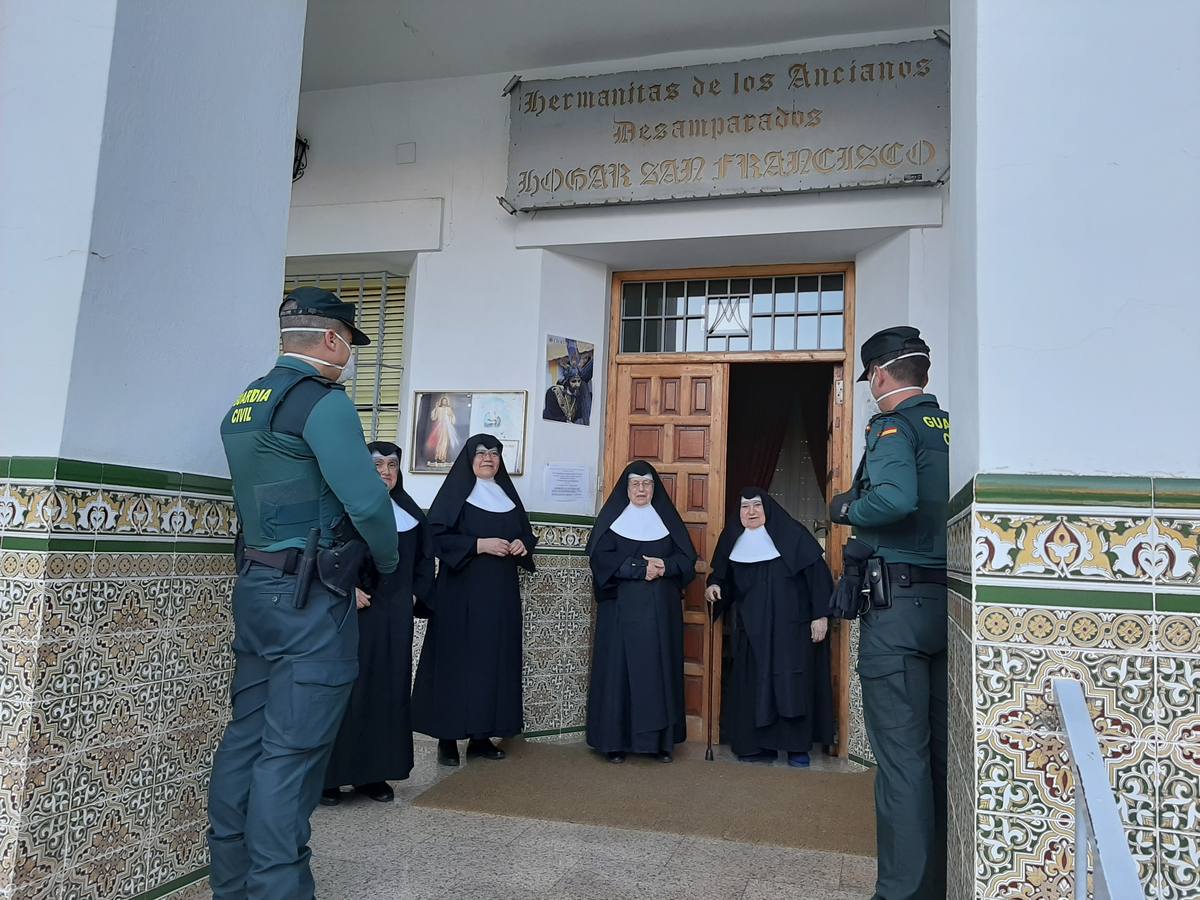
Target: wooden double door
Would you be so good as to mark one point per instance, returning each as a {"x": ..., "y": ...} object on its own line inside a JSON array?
[{"x": 675, "y": 416}]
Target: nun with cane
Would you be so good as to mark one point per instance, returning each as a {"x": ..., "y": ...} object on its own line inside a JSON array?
[
  {"x": 641, "y": 559},
  {"x": 770, "y": 573},
  {"x": 374, "y": 745},
  {"x": 468, "y": 683}
]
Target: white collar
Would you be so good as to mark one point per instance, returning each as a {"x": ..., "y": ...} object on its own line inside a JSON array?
[
  {"x": 640, "y": 523},
  {"x": 489, "y": 496},
  {"x": 754, "y": 545},
  {"x": 404, "y": 521}
]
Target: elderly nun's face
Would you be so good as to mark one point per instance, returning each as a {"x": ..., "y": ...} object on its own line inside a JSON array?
[
  {"x": 752, "y": 513},
  {"x": 486, "y": 462},
  {"x": 388, "y": 468},
  {"x": 641, "y": 489}
]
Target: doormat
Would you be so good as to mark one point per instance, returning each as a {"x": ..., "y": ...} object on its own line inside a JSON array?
[{"x": 802, "y": 808}]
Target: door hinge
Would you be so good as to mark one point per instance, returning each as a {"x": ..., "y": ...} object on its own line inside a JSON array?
[{"x": 839, "y": 392}]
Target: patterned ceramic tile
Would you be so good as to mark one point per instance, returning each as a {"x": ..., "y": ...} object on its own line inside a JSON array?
[
  {"x": 1178, "y": 634},
  {"x": 1181, "y": 553},
  {"x": 1179, "y": 790},
  {"x": 560, "y": 536},
  {"x": 1024, "y": 857},
  {"x": 1014, "y": 690},
  {"x": 1107, "y": 548},
  {"x": 1028, "y": 774},
  {"x": 1178, "y": 865},
  {"x": 1068, "y": 628},
  {"x": 1178, "y": 706},
  {"x": 959, "y": 544},
  {"x": 859, "y": 745}
]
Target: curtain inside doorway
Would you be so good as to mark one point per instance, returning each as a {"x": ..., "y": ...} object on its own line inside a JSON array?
[{"x": 760, "y": 406}]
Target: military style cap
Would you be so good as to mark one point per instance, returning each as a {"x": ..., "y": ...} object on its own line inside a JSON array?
[
  {"x": 314, "y": 301},
  {"x": 890, "y": 343}
]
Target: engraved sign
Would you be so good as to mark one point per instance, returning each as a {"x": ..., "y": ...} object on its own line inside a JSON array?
[{"x": 835, "y": 119}]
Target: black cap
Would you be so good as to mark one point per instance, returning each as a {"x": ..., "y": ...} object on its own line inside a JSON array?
[
  {"x": 890, "y": 343},
  {"x": 315, "y": 301}
]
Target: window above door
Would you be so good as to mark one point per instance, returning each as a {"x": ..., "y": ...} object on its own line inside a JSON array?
[{"x": 770, "y": 313}]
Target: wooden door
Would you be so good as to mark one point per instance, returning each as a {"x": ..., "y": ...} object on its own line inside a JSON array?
[
  {"x": 838, "y": 480},
  {"x": 673, "y": 415}
]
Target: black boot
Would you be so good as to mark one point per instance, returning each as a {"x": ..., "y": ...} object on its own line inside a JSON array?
[
  {"x": 484, "y": 748},
  {"x": 448, "y": 753},
  {"x": 616, "y": 757},
  {"x": 378, "y": 790},
  {"x": 664, "y": 756},
  {"x": 331, "y": 796}
]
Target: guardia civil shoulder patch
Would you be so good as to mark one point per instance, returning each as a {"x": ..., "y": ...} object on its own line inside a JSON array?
[{"x": 888, "y": 431}]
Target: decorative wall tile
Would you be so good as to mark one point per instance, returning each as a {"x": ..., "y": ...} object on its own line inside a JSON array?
[
  {"x": 1024, "y": 857},
  {"x": 1067, "y": 628},
  {"x": 1179, "y": 788},
  {"x": 1178, "y": 707},
  {"x": 1178, "y": 865}
]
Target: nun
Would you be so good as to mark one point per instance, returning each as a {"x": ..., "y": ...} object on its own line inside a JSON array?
[
  {"x": 641, "y": 558},
  {"x": 770, "y": 571},
  {"x": 375, "y": 744},
  {"x": 468, "y": 682}
]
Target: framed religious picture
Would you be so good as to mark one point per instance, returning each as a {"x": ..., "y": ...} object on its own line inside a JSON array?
[
  {"x": 443, "y": 420},
  {"x": 569, "y": 380}
]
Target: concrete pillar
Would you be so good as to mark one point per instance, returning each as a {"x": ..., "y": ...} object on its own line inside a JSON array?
[
  {"x": 143, "y": 212},
  {"x": 1074, "y": 535}
]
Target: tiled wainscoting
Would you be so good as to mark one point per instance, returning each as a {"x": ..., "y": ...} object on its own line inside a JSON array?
[
  {"x": 114, "y": 668},
  {"x": 1094, "y": 579}
]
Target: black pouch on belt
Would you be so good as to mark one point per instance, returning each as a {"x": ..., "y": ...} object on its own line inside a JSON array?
[
  {"x": 304, "y": 569},
  {"x": 878, "y": 583},
  {"x": 850, "y": 598}
]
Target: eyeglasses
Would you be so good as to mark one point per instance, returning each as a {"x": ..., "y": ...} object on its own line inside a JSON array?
[{"x": 487, "y": 454}]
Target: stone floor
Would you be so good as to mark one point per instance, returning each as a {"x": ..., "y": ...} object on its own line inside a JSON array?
[{"x": 372, "y": 851}]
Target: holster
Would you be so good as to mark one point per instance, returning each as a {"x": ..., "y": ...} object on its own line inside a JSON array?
[
  {"x": 851, "y": 597},
  {"x": 338, "y": 567}
]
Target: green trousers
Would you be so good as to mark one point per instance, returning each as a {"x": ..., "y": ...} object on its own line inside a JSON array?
[
  {"x": 902, "y": 665},
  {"x": 294, "y": 671}
]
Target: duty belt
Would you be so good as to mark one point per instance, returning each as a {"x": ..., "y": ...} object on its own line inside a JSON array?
[
  {"x": 904, "y": 575},
  {"x": 285, "y": 561}
]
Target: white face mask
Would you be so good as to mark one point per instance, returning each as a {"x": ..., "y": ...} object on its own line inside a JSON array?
[
  {"x": 871, "y": 381},
  {"x": 345, "y": 371}
]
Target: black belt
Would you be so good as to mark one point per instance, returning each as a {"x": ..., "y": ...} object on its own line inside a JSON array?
[
  {"x": 285, "y": 561},
  {"x": 903, "y": 575}
]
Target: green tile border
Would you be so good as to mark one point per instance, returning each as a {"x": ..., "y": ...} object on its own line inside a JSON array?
[
  {"x": 47, "y": 468},
  {"x": 540, "y": 518},
  {"x": 1177, "y": 603},
  {"x": 1177, "y": 493},
  {"x": 960, "y": 587},
  {"x": 964, "y": 497},
  {"x": 25, "y": 544},
  {"x": 172, "y": 886},
  {"x": 862, "y": 761},
  {"x": 995, "y": 595},
  {"x": 558, "y": 551},
  {"x": 1076, "y": 490},
  {"x": 39, "y": 467},
  {"x": 148, "y": 479},
  {"x": 222, "y": 548}
]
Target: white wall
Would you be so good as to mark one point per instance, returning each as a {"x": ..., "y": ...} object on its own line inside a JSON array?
[
  {"x": 1085, "y": 219},
  {"x": 481, "y": 306},
  {"x": 182, "y": 286},
  {"x": 54, "y": 58}
]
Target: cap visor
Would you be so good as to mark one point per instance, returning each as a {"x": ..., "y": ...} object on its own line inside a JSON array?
[
  {"x": 357, "y": 338},
  {"x": 863, "y": 376}
]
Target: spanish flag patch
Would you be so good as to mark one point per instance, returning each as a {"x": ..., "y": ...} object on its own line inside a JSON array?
[{"x": 888, "y": 431}]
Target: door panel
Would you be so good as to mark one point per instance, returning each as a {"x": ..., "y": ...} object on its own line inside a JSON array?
[{"x": 673, "y": 415}]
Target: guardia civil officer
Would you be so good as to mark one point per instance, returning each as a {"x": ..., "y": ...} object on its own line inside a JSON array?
[
  {"x": 897, "y": 506},
  {"x": 310, "y": 505}
]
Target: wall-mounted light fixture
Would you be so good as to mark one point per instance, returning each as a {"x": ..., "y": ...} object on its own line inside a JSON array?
[{"x": 300, "y": 159}]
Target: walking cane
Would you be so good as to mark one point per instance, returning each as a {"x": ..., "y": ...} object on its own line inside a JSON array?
[{"x": 708, "y": 752}]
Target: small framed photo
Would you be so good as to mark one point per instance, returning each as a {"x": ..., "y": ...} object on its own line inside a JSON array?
[{"x": 443, "y": 420}]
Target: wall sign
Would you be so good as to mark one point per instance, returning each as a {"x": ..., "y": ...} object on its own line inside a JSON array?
[{"x": 864, "y": 117}]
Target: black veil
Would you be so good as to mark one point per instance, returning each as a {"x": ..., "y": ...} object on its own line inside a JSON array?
[
  {"x": 619, "y": 499},
  {"x": 460, "y": 481},
  {"x": 797, "y": 547}
]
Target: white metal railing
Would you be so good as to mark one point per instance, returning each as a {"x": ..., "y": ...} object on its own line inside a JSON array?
[{"x": 1098, "y": 829}]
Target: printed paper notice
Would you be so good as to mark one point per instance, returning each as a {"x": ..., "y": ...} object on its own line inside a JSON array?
[{"x": 567, "y": 482}]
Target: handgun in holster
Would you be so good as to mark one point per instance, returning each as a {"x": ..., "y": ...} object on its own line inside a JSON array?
[{"x": 306, "y": 568}]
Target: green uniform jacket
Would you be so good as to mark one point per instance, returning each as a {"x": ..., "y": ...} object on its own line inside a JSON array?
[
  {"x": 311, "y": 472},
  {"x": 904, "y": 488}
]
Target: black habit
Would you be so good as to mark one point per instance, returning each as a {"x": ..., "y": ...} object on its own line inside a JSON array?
[
  {"x": 635, "y": 696},
  {"x": 468, "y": 681},
  {"x": 375, "y": 741},
  {"x": 780, "y": 694}
]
